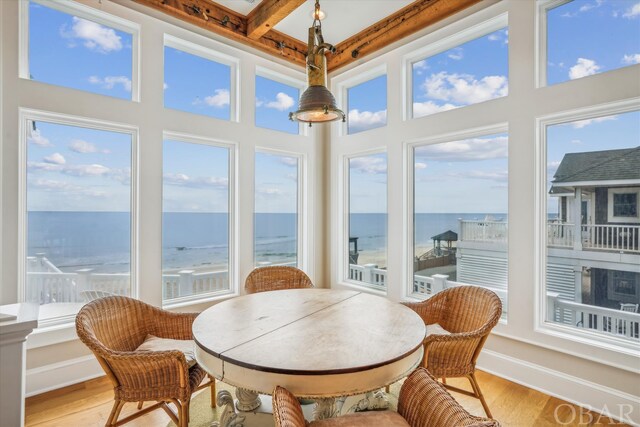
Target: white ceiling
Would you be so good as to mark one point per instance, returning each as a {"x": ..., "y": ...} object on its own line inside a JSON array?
[{"x": 344, "y": 17}]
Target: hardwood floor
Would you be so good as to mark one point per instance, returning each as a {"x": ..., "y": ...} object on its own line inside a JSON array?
[{"x": 88, "y": 404}]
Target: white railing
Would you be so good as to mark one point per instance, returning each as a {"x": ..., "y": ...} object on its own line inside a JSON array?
[
  {"x": 560, "y": 234},
  {"x": 368, "y": 273},
  {"x": 483, "y": 231},
  {"x": 609, "y": 321},
  {"x": 46, "y": 288},
  {"x": 188, "y": 282},
  {"x": 611, "y": 237}
]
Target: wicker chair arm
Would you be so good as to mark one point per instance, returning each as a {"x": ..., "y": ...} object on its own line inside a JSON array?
[
  {"x": 149, "y": 369},
  {"x": 173, "y": 325},
  {"x": 455, "y": 337},
  {"x": 286, "y": 409},
  {"x": 428, "y": 310}
]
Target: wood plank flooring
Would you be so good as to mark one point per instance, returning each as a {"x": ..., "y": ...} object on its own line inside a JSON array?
[{"x": 88, "y": 404}]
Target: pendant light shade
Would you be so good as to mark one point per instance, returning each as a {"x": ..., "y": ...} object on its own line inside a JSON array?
[{"x": 317, "y": 104}]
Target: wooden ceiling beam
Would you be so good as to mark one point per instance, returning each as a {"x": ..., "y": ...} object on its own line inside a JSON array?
[
  {"x": 403, "y": 23},
  {"x": 267, "y": 14},
  {"x": 225, "y": 22}
]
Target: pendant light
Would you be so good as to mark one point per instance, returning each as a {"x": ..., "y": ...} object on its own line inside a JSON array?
[{"x": 317, "y": 104}]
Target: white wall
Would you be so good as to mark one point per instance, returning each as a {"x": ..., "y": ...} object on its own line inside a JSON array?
[{"x": 581, "y": 372}]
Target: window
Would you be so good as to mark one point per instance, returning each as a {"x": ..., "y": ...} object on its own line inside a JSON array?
[
  {"x": 274, "y": 102},
  {"x": 367, "y": 210},
  {"x": 592, "y": 230},
  {"x": 276, "y": 209},
  {"x": 574, "y": 50},
  {"x": 78, "y": 216},
  {"x": 74, "y": 46},
  {"x": 198, "y": 80},
  {"x": 195, "y": 218},
  {"x": 475, "y": 70},
  {"x": 460, "y": 220},
  {"x": 367, "y": 105}
]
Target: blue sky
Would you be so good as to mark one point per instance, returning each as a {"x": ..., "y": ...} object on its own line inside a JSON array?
[
  {"x": 276, "y": 179},
  {"x": 590, "y": 37},
  {"x": 368, "y": 184},
  {"x": 367, "y": 105}
]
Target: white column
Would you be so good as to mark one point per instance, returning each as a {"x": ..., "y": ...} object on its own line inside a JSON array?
[
  {"x": 13, "y": 355},
  {"x": 577, "y": 220}
]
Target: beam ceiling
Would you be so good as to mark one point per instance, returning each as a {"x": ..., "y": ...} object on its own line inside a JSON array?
[{"x": 256, "y": 29}]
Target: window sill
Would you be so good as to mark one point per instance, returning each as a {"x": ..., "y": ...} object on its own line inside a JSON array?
[
  {"x": 362, "y": 287},
  {"x": 179, "y": 304}
]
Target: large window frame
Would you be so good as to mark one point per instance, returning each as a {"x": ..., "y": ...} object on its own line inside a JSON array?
[
  {"x": 441, "y": 45},
  {"x": 27, "y": 115},
  {"x": 232, "y": 148},
  {"x": 302, "y": 256},
  {"x": 342, "y": 96},
  {"x": 210, "y": 54},
  {"x": 90, "y": 14},
  {"x": 541, "y": 324}
]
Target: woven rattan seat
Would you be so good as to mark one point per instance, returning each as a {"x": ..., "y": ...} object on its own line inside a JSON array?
[
  {"x": 275, "y": 278},
  {"x": 113, "y": 327}
]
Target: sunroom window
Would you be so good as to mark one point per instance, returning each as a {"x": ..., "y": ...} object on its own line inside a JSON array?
[
  {"x": 592, "y": 230},
  {"x": 78, "y": 216},
  {"x": 274, "y": 101},
  {"x": 367, "y": 105},
  {"x": 460, "y": 220}
]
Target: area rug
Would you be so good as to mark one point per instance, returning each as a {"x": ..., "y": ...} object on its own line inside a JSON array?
[{"x": 202, "y": 414}]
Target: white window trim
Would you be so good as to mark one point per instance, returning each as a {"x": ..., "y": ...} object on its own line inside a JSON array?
[
  {"x": 342, "y": 91},
  {"x": 88, "y": 13},
  {"x": 541, "y": 325},
  {"x": 285, "y": 80},
  {"x": 26, "y": 115},
  {"x": 233, "y": 220},
  {"x": 343, "y": 224},
  {"x": 212, "y": 55},
  {"x": 442, "y": 44},
  {"x": 409, "y": 188},
  {"x": 302, "y": 245},
  {"x": 541, "y": 38},
  {"x": 625, "y": 219}
]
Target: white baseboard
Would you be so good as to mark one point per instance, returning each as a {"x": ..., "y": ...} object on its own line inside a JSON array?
[
  {"x": 62, "y": 374},
  {"x": 605, "y": 400}
]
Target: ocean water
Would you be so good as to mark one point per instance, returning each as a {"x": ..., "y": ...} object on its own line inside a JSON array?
[{"x": 101, "y": 240}]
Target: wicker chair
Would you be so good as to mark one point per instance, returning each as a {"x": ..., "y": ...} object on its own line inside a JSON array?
[
  {"x": 275, "y": 278},
  {"x": 113, "y": 327},
  {"x": 423, "y": 402},
  {"x": 467, "y": 314}
]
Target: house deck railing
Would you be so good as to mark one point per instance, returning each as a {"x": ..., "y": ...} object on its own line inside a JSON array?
[
  {"x": 601, "y": 319},
  {"x": 598, "y": 237}
]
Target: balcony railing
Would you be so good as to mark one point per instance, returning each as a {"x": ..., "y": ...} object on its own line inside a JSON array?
[
  {"x": 368, "y": 273},
  {"x": 605, "y": 320},
  {"x": 599, "y": 237}
]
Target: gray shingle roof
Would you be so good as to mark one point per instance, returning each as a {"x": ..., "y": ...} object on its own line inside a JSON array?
[{"x": 608, "y": 165}]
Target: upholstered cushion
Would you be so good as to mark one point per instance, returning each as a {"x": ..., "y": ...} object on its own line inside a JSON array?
[
  {"x": 153, "y": 343},
  {"x": 364, "y": 419},
  {"x": 436, "y": 329}
]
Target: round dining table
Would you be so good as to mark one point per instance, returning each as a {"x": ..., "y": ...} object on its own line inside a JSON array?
[{"x": 320, "y": 344}]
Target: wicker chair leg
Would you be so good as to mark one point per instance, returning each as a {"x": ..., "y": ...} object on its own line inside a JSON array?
[
  {"x": 140, "y": 405},
  {"x": 478, "y": 392},
  {"x": 444, "y": 380},
  {"x": 184, "y": 414},
  {"x": 387, "y": 389},
  {"x": 213, "y": 391},
  {"x": 115, "y": 413}
]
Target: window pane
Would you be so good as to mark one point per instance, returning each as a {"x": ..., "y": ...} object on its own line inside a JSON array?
[
  {"x": 79, "y": 216},
  {"x": 196, "y": 85},
  {"x": 195, "y": 219},
  {"x": 367, "y": 105},
  {"x": 368, "y": 219},
  {"x": 575, "y": 50},
  {"x": 276, "y": 209},
  {"x": 461, "y": 215},
  {"x": 74, "y": 52},
  {"x": 473, "y": 72},
  {"x": 593, "y": 257},
  {"x": 274, "y": 102}
]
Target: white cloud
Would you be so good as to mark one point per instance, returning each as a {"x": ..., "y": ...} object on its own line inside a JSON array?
[
  {"x": 289, "y": 161},
  {"x": 576, "y": 141},
  {"x": 631, "y": 59},
  {"x": 420, "y": 165},
  {"x": 165, "y": 86},
  {"x": 583, "y": 123},
  {"x": 584, "y": 67},
  {"x": 632, "y": 12},
  {"x": 61, "y": 186},
  {"x": 283, "y": 102},
  {"x": 270, "y": 191},
  {"x": 367, "y": 119},
  {"x": 84, "y": 147},
  {"x": 74, "y": 170},
  {"x": 420, "y": 65},
  {"x": 55, "y": 159},
  {"x": 95, "y": 36},
  {"x": 184, "y": 180},
  {"x": 37, "y": 138},
  {"x": 493, "y": 37},
  {"x": 219, "y": 100},
  {"x": 498, "y": 176},
  {"x": 109, "y": 82},
  {"x": 369, "y": 165},
  {"x": 429, "y": 107},
  {"x": 456, "y": 54},
  {"x": 466, "y": 150},
  {"x": 464, "y": 88}
]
